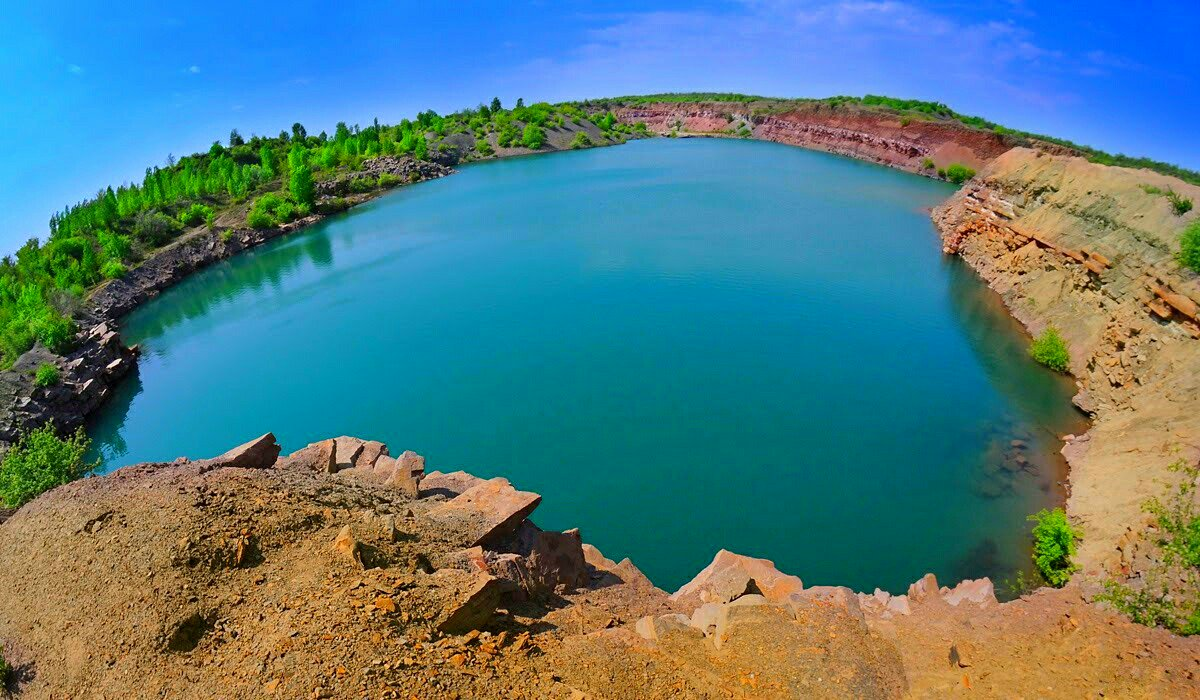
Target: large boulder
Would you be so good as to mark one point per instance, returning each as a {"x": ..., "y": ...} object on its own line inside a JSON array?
[
  {"x": 731, "y": 576},
  {"x": 486, "y": 512},
  {"x": 259, "y": 453}
]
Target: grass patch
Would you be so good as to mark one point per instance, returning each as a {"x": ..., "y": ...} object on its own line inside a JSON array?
[
  {"x": 1179, "y": 204},
  {"x": 46, "y": 375},
  {"x": 1050, "y": 349},
  {"x": 1169, "y": 593},
  {"x": 1054, "y": 543},
  {"x": 956, "y": 173},
  {"x": 40, "y": 461}
]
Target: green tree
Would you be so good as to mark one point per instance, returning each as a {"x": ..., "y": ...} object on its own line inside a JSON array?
[
  {"x": 958, "y": 173},
  {"x": 299, "y": 133},
  {"x": 300, "y": 184},
  {"x": 496, "y": 105},
  {"x": 39, "y": 461},
  {"x": 533, "y": 137}
]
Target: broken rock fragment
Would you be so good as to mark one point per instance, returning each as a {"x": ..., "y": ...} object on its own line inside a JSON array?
[{"x": 486, "y": 512}]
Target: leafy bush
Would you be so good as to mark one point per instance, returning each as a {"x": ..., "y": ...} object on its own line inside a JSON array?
[
  {"x": 581, "y": 140},
  {"x": 361, "y": 184},
  {"x": 388, "y": 180},
  {"x": 958, "y": 173},
  {"x": 113, "y": 270},
  {"x": 483, "y": 147},
  {"x": 1189, "y": 246},
  {"x": 533, "y": 137},
  {"x": 271, "y": 209},
  {"x": 1053, "y": 546},
  {"x": 46, "y": 375},
  {"x": 1179, "y": 203},
  {"x": 194, "y": 214},
  {"x": 927, "y": 164},
  {"x": 154, "y": 228},
  {"x": 300, "y": 185},
  {"x": 40, "y": 461},
  {"x": 1169, "y": 596},
  {"x": 1050, "y": 350},
  {"x": 5, "y": 671}
]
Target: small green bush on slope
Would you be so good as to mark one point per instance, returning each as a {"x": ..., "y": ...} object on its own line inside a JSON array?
[
  {"x": 1050, "y": 349},
  {"x": 39, "y": 461},
  {"x": 46, "y": 375},
  {"x": 1189, "y": 246},
  {"x": 1054, "y": 546}
]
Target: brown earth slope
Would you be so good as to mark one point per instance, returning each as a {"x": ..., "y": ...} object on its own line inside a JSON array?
[{"x": 342, "y": 571}]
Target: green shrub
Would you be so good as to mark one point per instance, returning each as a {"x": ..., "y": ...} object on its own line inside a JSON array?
[
  {"x": 260, "y": 219},
  {"x": 958, "y": 173},
  {"x": 581, "y": 140},
  {"x": 1053, "y": 546},
  {"x": 46, "y": 375},
  {"x": 1169, "y": 595},
  {"x": 1189, "y": 246},
  {"x": 533, "y": 137},
  {"x": 5, "y": 672},
  {"x": 1179, "y": 203},
  {"x": 194, "y": 214},
  {"x": 154, "y": 228},
  {"x": 300, "y": 185},
  {"x": 40, "y": 461},
  {"x": 113, "y": 270},
  {"x": 361, "y": 184},
  {"x": 271, "y": 209},
  {"x": 927, "y": 164},
  {"x": 1050, "y": 349},
  {"x": 388, "y": 180},
  {"x": 483, "y": 147}
]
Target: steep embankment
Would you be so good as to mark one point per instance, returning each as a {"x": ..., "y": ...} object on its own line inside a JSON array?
[
  {"x": 880, "y": 136},
  {"x": 343, "y": 572},
  {"x": 1087, "y": 249}
]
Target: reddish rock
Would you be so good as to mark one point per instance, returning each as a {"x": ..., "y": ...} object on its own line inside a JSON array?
[
  {"x": 977, "y": 591},
  {"x": 731, "y": 576},
  {"x": 259, "y": 453},
  {"x": 486, "y": 512},
  {"x": 558, "y": 560},
  {"x": 473, "y": 604},
  {"x": 450, "y": 485}
]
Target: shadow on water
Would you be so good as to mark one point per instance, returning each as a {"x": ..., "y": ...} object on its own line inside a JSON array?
[
  {"x": 108, "y": 442},
  {"x": 267, "y": 266}
]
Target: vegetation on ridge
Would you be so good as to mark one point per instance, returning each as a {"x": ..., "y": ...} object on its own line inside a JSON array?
[
  {"x": 40, "y": 461},
  {"x": 1189, "y": 246}
]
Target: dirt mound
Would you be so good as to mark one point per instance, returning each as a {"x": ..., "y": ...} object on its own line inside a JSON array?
[{"x": 319, "y": 574}]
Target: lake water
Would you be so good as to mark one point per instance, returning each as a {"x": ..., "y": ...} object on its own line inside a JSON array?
[{"x": 683, "y": 345}]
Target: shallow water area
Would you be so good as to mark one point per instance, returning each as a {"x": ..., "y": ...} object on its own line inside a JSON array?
[{"x": 683, "y": 345}]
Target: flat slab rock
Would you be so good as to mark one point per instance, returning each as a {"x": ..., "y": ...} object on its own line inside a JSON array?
[
  {"x": 731, "y": 576},
  {"x": 486, "y": 512}
]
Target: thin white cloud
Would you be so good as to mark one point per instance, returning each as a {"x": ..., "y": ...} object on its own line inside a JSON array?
[
  {"x": 74, "y": 69},
  {"x": 193, "y": 69}
]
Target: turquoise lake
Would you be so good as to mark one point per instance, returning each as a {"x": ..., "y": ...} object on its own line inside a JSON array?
[{"x": 682, "y": 344}]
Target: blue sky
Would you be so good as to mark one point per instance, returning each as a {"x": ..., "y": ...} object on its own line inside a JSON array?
[{"x": 91, "y": 93}]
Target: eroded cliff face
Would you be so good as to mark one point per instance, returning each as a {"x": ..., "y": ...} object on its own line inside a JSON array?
[
  {"x": 872, "y": 135},
  {"x": 1085, "y": 248},
  {"x": 344, "y": 571}
]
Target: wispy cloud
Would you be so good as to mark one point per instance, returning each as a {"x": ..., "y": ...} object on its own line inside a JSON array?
[
  {"x": 74, "y": 69},
  {"x": 192, "y": 70},
  {"x": 821, "y": 46}
]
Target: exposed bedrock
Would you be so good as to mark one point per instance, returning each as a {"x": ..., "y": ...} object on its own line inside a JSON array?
[
  {"x": 343, "y": 571},
  {"x": 1084, "y": 248},
  {"x": 871, "y": 135}
]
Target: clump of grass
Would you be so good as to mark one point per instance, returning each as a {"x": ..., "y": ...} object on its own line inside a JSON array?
[
  {"x": 6, "y": 671},
  {"x": 1054, "y": 543},
  {"x": 46, "y": 375},
  {"x": 1169, "y": 594},
  {"x": 1180, "y": 204},
  {"x": 40, "y": 461},
  {"x": 1050, "y": 349},
  {"x": 927, "y": 164}
]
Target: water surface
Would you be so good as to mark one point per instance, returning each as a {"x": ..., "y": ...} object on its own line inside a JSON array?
[{"x": 681, "y": 344}]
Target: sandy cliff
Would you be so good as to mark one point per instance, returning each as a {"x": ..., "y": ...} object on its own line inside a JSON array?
[{"x": 1085, "y": 248}]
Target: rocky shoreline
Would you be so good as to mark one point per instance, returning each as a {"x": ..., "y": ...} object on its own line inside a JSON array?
[{"x": 342, "y": 571}]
